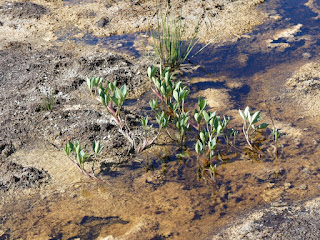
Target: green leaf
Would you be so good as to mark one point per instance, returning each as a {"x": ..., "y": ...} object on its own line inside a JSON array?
[
  {"x": 206, "y": 116},
  {"x": 124, "y": 91},
  {"x": 185, "y": 94},
  {"x": 184, "y": 154},
  {"x": 115, "y": 100},
  {"x": 67, "y": 149},
  {"x": 89, "y": 84},
  {"x": 242, "y": 115},
  {"x": 256, "y": 117},
  {"x": 198, "y": 147},
  {"x": 197, "y": 117},
  {"x": 176, "y": 95},
  {"x": 71, "y": 146},
  {"x": 151, "y": 71},
  {"x": 167, "y": 77},
  {"x": 82, "y": 157},
  {"x": 163, "y": 90},
  {"x": 153, "y": 104},
  {"x": 118, "y": 93},
  {"x": 212, "y": 144},
  {"x": 202, "y": 103},
  {"x": 247, "y": 112},
  {"x": 262, "y": 126},
  {"x": 202, "y": 137},
  {"x": 178, "y": 85}
]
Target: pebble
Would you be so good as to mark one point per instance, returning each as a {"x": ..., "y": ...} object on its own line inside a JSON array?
[
  {"x": 306, "y": 55},
  {"x": 287, "y": 185},
  {"x": 303, "y": 187},
  {"x": 103, "y": 22}
]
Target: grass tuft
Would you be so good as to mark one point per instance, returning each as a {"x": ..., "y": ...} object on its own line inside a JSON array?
[{"x": 170, "y": 41}]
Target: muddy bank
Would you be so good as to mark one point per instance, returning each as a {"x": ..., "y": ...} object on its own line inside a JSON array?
[
  {"x": 33, "y": 82},
  {"x": 51, "y": 74},
  {"x": 44, "y": 22},
  {"x": 280, "y": 221}
]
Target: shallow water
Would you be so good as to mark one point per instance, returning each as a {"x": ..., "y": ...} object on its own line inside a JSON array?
[{"x": 139, "y": 205}]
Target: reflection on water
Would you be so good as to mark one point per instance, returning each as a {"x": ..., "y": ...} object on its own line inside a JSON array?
[{"x": 136, "y": 204}]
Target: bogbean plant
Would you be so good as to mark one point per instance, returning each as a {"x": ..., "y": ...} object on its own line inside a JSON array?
[
  {"x": 171, "y": 115},
  {"x": 81, "y": 156},
  {"x": 113, "y": 99},
  {"x": 172, "y": 95},
  {"x": 206, "y": 146},
  {"x": 250, "y": 127},
  {"x": 93, "y": 83}
]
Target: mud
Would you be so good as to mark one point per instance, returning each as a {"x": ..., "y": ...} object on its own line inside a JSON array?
[
  {"x": 23, "y": 10},
  {"x": 15, "y": 176},
  {"x": 300, "y": 221},
  {"x": 47, "y": 21}
]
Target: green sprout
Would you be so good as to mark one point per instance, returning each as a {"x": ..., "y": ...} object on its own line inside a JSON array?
[
  {"x": 93, "y": 83},
  {"x": 173, "y": 95},
  {"x": 81, "y": 156},
  {"x": 249, "y": 124},
  {"x": 206, "y": 145},
  {"x": 48, "y": 102}
]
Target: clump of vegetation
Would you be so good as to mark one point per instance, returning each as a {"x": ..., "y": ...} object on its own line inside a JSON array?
[
  {"x": 172, "y": 95},
  {"x": 48, "y": 102},
  {"x": 169, "y": 114},
  {"x": 170, "y": 42},
  {"x": 113, "y": 99},
  {"x": 81, "y": 156},
  {"x": 206, "y": 146},
  {"x": 93, "y": 83},
  {"x": 250, "y": 127}
]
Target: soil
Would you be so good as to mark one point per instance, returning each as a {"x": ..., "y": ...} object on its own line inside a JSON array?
[
  {"x": 280, "y": 221},
  {"x": 48, "y": 48}
]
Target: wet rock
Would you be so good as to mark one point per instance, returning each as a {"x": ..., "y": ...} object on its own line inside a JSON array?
[
  {"x": 23, "y": 10},
  {"x": 103, "y": 22}
]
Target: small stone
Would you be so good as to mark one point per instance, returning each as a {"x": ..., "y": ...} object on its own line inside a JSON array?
[
  {"x": 103, "y": 22},
  {"x": 303, "y": 187},
  {"x": 306, "y": 55},
  {"x": 287, "y": 186}
]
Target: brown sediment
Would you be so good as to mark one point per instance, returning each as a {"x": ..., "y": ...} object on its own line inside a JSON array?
[{"x": 132, "y": 204}]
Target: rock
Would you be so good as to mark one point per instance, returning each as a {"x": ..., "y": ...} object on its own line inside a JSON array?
[
  {"x": 287, "y": 186},
  {"x": 306, "y": 55},
  {"x": 303, "y": 187},
  {"x": 103, "y": 22}
]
